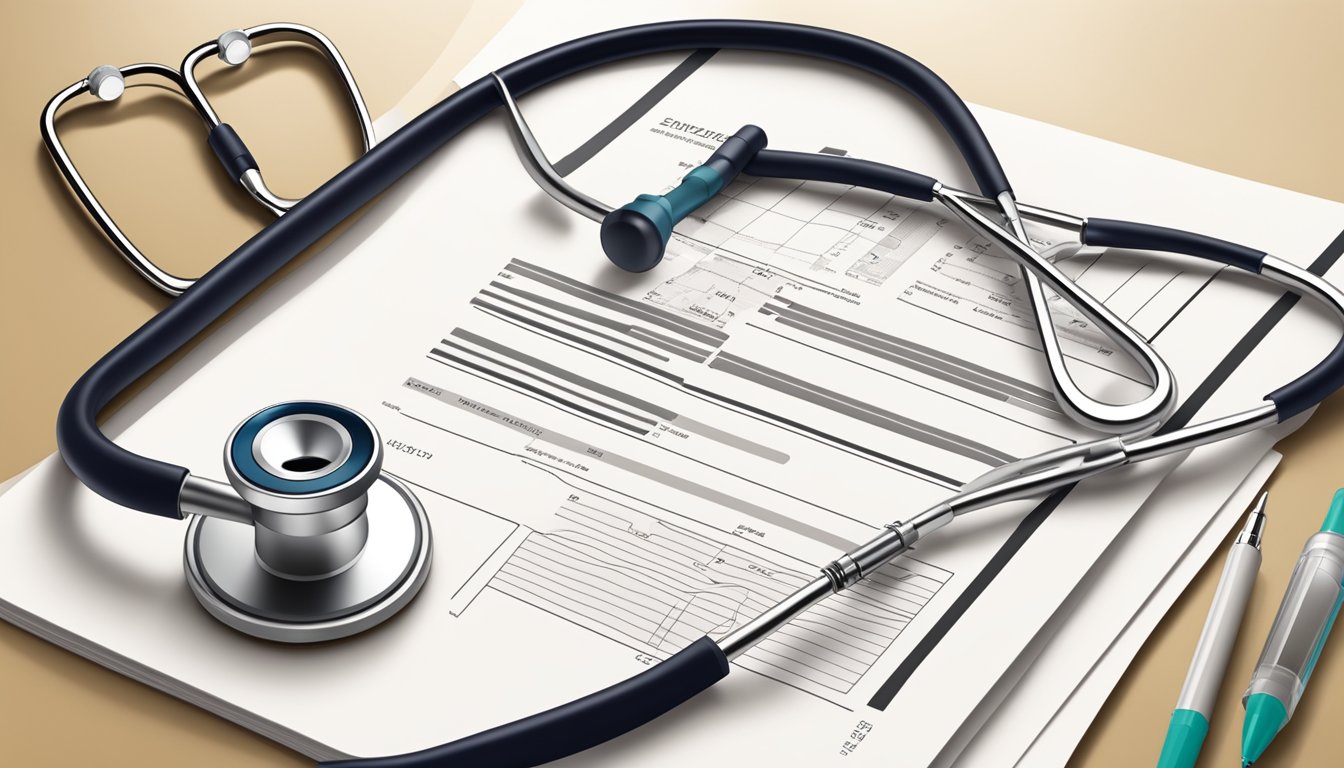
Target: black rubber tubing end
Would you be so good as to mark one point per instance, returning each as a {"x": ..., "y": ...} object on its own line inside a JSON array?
[
  {"x": 1112, "y": 233},
  {"x": 1312, "y": 387},
  {"x": 233, "y": 154},
  {"x": 738, "y": 150}
]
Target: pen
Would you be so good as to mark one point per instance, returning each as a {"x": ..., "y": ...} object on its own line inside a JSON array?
[
  {"x": 1190, "y": 720},
  {"x": 1295, "y": 641}
]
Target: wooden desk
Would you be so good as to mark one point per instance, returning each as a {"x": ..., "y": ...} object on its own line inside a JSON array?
[{"x": 1249, "y": 89}]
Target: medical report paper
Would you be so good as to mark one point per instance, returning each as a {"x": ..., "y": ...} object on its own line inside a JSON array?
[{"x": 617, "y": 464}]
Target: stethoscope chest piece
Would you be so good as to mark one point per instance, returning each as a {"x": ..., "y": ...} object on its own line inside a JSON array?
[{"x": 335, "y": 547}]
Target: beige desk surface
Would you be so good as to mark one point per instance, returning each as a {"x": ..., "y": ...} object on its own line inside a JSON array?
[{"x": 1253, "y": 89}]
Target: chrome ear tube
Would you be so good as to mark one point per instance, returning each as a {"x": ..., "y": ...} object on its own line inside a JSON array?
[
  {"x": 235, "y": 47},
  {"x": 538, "y": 167},
  {"x": 1140, "y": 417},
  {"x": 107, "y": 84},
  {"x": 310, "y": 540}
]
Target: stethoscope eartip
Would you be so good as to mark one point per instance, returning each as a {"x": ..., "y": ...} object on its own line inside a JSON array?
[
  {"x": 234, "y": 47},
  {"x": 106, "y": 82}
]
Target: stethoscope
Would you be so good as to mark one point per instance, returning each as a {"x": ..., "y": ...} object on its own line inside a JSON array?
[
  {"x": 309, "y": 540},
  {"x": 234, "y": 48}
]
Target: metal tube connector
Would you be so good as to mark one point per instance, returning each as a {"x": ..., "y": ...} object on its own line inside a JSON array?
[
  {"x": 742, "y": 639},
  {"x": 211, "y": 498}
]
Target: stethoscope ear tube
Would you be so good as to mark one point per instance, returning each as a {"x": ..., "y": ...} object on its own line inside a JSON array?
[
  {"x": 160, "y": 278},
  {"x": 1302, "y": 393},
  {"x": 234, "y": 47},
  {"x": 578, "y": 725}
]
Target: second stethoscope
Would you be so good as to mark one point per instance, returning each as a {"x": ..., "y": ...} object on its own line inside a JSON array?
[
  {"x": 310, "y": 540},
  {"x": 234, "y": 47}
]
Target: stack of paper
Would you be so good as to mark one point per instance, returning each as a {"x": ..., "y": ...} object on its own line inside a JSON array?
[
  {"x": 617, "y": 464},
  {"x": 1043, "y": 703}
]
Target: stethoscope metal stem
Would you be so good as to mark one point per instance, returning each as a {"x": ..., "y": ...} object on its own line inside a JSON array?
[
  {"x": 1039, "y": 476},
  {"x": 210, "y": 498},
  {"x": 1142, "y": 415},
  {"x": 539, "y": 168},
  {"x": 745, "y": 637},
  {"x": 1035, "y": 213},
  {"x": 1031, "y": 477}
]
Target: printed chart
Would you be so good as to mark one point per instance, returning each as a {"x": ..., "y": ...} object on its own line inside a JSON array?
[{"x": 656, "y": 587}]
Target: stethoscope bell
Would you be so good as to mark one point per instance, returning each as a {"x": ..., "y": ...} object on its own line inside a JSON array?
[{"x": 335, "y": 545}]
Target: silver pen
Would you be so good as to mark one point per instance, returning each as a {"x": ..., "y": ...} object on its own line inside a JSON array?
[{"x": 1190, "y": 720}]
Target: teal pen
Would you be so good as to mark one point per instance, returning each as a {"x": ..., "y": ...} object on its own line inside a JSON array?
[
  {"x": 1308, "y": 611},
  {"x": 1190, "y": 720}
]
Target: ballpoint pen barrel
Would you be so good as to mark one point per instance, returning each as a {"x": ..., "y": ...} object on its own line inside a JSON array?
[
  {"x": 1190, "y": 720},
  {"x": 1295, "y": 641},
  {"x": 1220, "y": 631}
]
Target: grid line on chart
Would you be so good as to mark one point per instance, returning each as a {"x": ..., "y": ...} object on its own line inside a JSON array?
[{"x": 657, "y": 587}]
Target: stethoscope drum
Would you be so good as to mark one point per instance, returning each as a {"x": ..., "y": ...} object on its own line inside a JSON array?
[{"x": 334, "y": 546}]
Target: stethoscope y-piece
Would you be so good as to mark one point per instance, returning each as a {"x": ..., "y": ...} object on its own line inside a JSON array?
[
  {"x": 107, "y": 83},
  {"x": 301, "y": 473},
  {"x": 635, "y": 237}
]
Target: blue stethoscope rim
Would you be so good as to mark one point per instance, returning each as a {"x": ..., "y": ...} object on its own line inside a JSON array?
[{"x": 249, "y": 469}]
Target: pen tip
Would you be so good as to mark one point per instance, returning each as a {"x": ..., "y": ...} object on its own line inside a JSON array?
[{"x": 1253, "y": 530}]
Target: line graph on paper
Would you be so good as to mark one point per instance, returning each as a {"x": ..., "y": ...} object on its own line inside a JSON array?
[{"x": 656, "y": 586}]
